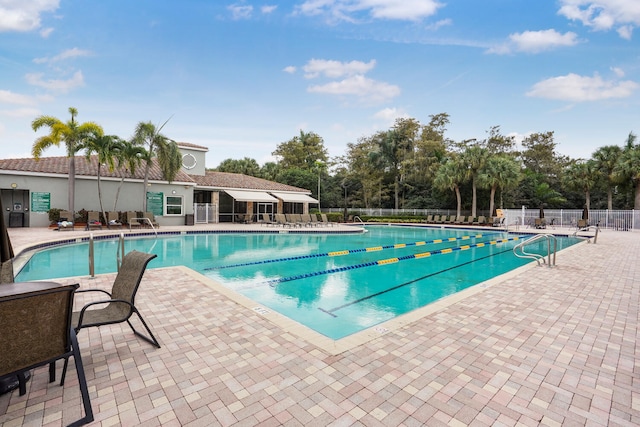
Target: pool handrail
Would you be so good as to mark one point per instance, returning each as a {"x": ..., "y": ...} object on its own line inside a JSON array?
[
  {"x": 148, "y": 221},
  {"x": 537, "y": 257},
  {"x": 590, "y": 227}
]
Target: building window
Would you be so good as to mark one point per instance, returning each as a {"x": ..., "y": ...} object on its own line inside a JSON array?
[{"x": 173, "y": 205}]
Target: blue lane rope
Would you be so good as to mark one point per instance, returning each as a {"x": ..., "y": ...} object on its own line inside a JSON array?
[
  {"x": 274, "y": 282},
  {"x": 351, "y": 251},
  {"x": 331, "y": 312}
]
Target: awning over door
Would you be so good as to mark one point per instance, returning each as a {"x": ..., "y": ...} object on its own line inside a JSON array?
[
  {"x": 294, "y": 197},
  {"x": 251, "y": 196}
]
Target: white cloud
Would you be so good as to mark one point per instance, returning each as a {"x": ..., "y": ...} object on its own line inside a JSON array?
[
  {"x": 437, "y": 25},
  {"x": 336, "y": 69},
  {"x": 619, "y": 72},
  {"x": 290, "y": 69},
  {"x": 20, "y": 113},
  {"x": 268, "y": 9},
  {"x": 58, "y": 86},
  {"x": 69, "y": 53},
  {"x": 535, "y": 41},
  {"x": 240, "y": 12},
  {"x": 389, "y": 115},
  {"x": 8, "y": 97},
  {"x": 21, "y": 15},
  {"x": 347, "y": 10},
  {"x": 46, "y": 32},
  {"x": 625, "y": 32},
  {"x": 576, "y": 88},
  {"x": 603, "y": 15},
  {"x": 359, "y": 86}
]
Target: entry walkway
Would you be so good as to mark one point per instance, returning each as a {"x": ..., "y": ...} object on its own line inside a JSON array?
[{"x": 541, "y": 347}]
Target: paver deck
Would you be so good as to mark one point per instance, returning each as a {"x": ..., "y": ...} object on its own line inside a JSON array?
[{"x": 542, "y": 347}]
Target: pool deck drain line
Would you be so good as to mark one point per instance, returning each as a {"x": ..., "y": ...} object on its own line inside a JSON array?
[
  {"x": 274, "y": 282},
  {"x": 331, "y": 311},
  {"x": 352, "y": 251}
]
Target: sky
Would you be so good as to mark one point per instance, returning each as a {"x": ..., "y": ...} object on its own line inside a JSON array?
[{"x": 241, "y": 77}]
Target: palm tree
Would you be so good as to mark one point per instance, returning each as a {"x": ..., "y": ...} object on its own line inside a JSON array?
[
  {"x": 157, "y": 145},
  {"x": 449, "y": 176},
  {"x": 72, "y": 134},
  {"x": 582, "y": 176},
  {"x": 606, "y": 159},
  {"x": 106, "y": 148},
  {"x": 499, "y": 172},
  {"x": 473, "y": 160},
  {"x": 628, "y": 169},
  {"x": 129, "y": 158}
]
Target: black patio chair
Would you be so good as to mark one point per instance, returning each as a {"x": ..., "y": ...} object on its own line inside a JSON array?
[
  {"x": 35, "y": 330},
  {"x": 120, "y": 305}
]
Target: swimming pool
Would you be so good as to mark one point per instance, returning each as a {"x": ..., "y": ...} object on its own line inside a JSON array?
[{"x": 335, "y": 284}]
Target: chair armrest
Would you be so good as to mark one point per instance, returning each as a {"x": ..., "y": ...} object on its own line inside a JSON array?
[
  {"x": 93, "y": 290},
  {"x": 108, "y": 301}
]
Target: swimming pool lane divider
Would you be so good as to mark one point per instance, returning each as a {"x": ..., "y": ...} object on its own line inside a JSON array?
[
  {"x": 352, "y": 251},
  {"x": 274, "y": 282},
  {"x": 331, "y": 312}
]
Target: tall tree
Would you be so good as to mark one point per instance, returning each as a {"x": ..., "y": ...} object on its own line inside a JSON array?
[
  {"x": 449, "y": 176},
  {"x": 302, "y": 151},
  {"x": 606, "y": 159},
  {"x": 582, "y": 175},
  {"x": 358, "y": 165},
  {"x": 628, "y": 169},
  {"x": 147, "y": 135},
  {"x": 106, "y": 149},
  {"x": 129, "y": 158},
  {"x": 72, "y": 134},
  {"x": 246, "y": 166},
  {"x": 394, "y": 151},
  {"x": 473, "y": 160},
  {"x": 501, "y": 172}
]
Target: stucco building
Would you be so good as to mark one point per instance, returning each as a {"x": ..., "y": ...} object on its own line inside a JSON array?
[{"x": 30, "y": 188}]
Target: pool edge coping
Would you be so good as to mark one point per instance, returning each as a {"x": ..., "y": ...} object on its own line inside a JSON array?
[{"x": 336, "y": 347}]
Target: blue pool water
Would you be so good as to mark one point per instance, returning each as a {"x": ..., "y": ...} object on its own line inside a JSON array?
[{"x": 336, "y": 284}]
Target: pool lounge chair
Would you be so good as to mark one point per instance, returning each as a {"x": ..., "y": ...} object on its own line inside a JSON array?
[
  {"x": 266, "y": 220},
  {"x": 436, "y": 219},
  {"x": 481, "y": 220},
  {"x": 459, "y": 220},
  {"x": 66, "y": 221},
  {"x": 540, "y": 223},
  {"x": 450, "y": 219},
  {"x": 325, "y": 220},
  {"x": 428, "y": 219},
  {"x": 113, "y": 221},
  {"x": 93, "y": 221},
  {"x": 150, "y": 218},
  {"x": 132, "y": 220}
]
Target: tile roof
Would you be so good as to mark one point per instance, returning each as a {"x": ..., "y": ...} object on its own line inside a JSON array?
[
  {"x": 84, "y": 167},
  {"x": 194, "y": 146},
  {"x": 237, "y": 180}
]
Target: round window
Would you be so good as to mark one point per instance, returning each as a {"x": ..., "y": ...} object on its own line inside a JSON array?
[{"x": 189, "y": 161}]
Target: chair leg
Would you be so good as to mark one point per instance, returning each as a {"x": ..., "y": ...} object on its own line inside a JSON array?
[
  {"x": 82, "y": 380},
  {"x": 22, "y": 383},
  {"x": 151, "y": 340}
]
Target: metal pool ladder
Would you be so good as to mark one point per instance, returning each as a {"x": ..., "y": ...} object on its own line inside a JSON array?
[{"x": 524, "y": 254}]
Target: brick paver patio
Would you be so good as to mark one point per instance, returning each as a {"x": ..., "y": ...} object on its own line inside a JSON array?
[{"x": 542, "y": 347}]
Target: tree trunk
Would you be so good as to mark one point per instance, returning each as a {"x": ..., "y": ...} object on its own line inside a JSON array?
[
  {"x": 587, "y": 196},
  {"x": 145, "y": 184},
  {"x": 610, "y": 198},
  {"x": 397, "y": 192},
  {"x": 473, "y": 197},
  {"x": 636, "y": 203},
  {"x": 492, "y": 198},
  {"x": 72, "y": 186},
  {"x": 459, "y": 200}
]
